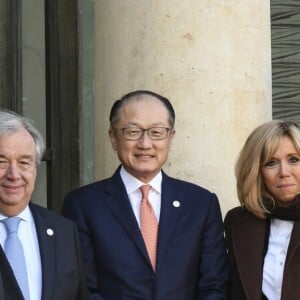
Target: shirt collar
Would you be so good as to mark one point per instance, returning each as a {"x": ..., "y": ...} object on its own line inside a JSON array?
[
  {"x": 132, "y": 184},
  {"x": 24, "y": 215}
]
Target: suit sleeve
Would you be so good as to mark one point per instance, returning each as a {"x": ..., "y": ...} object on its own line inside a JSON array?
[
  {"x": 213, "y": 267},
  {"x": 235, "y": 287},
  {"x": 82, "y": 292},
  {"x": 71, "y": 210}
]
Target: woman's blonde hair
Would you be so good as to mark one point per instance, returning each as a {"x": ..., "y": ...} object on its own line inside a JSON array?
[{"x": 257, "y": 150}]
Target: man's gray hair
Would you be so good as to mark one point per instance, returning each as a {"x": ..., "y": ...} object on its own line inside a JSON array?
[{"x": 10, "y": 123}]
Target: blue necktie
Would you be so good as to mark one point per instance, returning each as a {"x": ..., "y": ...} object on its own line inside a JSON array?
[{"x": 15, "y": 254}]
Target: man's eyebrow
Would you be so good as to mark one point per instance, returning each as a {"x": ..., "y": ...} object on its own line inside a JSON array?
[{"x": 25, "y": 156}]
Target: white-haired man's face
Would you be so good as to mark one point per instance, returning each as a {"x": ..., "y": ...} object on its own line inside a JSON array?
[{"x": 17, "y": 171}]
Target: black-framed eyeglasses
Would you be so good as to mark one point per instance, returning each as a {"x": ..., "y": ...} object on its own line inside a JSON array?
[{"x": 135, "y": 133}]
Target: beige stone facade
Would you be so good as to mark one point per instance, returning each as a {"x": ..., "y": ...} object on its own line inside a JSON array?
[{"x": 211, "y": 58}]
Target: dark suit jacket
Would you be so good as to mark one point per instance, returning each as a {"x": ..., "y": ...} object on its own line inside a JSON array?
[
  {"x": 1, "y": 288},
  {"x": 245, "y": 235},
  {"x": 191, "y": 255},
  {"x": 62, "y": 269}
]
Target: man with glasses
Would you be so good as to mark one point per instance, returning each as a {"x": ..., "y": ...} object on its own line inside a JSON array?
[{"x": 146, "y": 235}]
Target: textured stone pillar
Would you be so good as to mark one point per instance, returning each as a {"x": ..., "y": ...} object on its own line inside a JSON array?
[{"x": 211, "y": 58}]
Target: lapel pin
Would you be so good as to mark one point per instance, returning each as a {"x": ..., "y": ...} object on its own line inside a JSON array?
[
  {"x": 176, "y": 203},
  {"x": 50, "y": 231}
]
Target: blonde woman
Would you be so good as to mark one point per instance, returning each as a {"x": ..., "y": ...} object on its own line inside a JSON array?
[{"x": 263, "y": 234}]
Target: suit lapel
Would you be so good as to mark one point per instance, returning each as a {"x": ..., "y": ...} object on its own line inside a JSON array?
[
  {"x": 118, "y": 202},
  {"x": 11, "y": 288},
  {"x": 168, "y": 216},
  {"x": 294, "y": 242},
  {"x": 47, "y": 250},
  {"x": 290, "y": 286},
  {"x": 248, "y": 238}
]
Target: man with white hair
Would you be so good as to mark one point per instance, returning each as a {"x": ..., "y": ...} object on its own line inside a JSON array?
[{"x": 39, "y": 250}]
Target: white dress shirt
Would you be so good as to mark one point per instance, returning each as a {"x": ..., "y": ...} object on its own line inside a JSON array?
[
  {"x": 279, "y": 239},
  {"x": 132, "y": 186},
  {"x": 28, "y": 236}
]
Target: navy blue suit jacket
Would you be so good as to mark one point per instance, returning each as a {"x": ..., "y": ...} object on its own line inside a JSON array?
[
  {"x": 63, "y": 276},
  {"x": 191, "y": 254}
]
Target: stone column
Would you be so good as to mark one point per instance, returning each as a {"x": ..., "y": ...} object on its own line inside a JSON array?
[{"x": 211, "y": 58}]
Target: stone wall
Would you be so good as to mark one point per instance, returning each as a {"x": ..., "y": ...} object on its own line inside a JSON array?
[{"x": 212, "y": 58}]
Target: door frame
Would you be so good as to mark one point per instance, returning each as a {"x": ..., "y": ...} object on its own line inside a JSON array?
[
  {"x": 62, "y": 100},
  {"x": 62, "y": 88}
]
